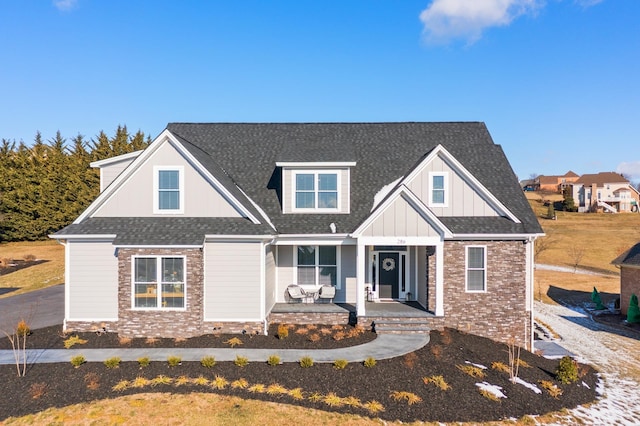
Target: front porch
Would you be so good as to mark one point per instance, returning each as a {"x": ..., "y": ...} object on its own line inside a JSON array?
[{"x": 396, "y": 316}]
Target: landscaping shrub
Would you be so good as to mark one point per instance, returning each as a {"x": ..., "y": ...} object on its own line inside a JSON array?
[
  {"x": 340, "y": 364},
  {"x": 369, "y": 362},
  {"x": 241, "y": 361},
  {"x": 144, "y": 361},
  {"x": 306, "y": 362},
  {"x": 78, "y": 360},
  {"x": 283, "y": 331},
  {"x": 74, "y": 340},
  {"x": 233, "y": 342},
  {"x": 567, "y": 371},
  {"x": 273, "y": 360},
  {"x": 113, "y": 362},
  {"x": 208, "y": 361},
  {"x": 174, "y": 361}
]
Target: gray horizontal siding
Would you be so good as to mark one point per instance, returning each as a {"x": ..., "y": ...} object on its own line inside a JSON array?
[
  {"x": 93, "y": 281},
  {"x": 232, "y": 281}
]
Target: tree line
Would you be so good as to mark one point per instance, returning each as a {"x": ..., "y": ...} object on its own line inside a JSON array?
[{"x": 46, "y": 185}]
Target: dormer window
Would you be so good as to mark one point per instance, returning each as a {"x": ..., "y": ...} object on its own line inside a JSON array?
[
  {"x": 168, "y": 190},
  {"x": 316, "y": 190}
]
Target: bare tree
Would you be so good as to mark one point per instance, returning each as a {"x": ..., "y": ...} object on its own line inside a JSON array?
[
  {"x": 576, "y": 253},
  {"x": 543, "y": 244}
]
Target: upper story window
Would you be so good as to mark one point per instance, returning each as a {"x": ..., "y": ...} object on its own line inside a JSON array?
[
  {"x": 168, "y": 194},
  {"x": 439, "y": 189},
  {"x": 316, "y": 190}
]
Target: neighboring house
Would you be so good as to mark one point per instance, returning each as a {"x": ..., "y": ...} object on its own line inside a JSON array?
[
  {"x": 629, "y": 264},
  {"x": 554, "y": 183},
  {"x": 605, "y": 191},
  {"x": 204, "y": 230}
]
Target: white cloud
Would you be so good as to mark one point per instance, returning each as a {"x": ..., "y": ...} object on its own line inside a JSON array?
[
  {"x": 445, "y": 20},
  {"x": 631, "y": 169},
  {"x": 65, "y": 4}
]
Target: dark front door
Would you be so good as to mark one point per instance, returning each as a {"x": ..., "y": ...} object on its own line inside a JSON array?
[{"x": 388, "y": 275}]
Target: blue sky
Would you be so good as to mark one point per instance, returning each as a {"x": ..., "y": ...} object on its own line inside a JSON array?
[{"x": 557, "y": 82}]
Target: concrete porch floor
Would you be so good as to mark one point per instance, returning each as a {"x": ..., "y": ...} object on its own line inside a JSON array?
[{"x": 372, "y": 309}]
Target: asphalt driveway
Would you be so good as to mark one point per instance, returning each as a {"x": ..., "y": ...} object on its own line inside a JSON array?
[{"x": 40, "y": 308}]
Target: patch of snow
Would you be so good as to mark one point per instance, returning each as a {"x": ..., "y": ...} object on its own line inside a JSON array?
[
  {"x": 615, "y": 353},
  {"x": 480, "y": 366},
  {"x": 527, "y": 385},
  {"x": 384, "y": 191},
  {"x": 586, "y": 385},
  {"x": 494, "y": 389}
]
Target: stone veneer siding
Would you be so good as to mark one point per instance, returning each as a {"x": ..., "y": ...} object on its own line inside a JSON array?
[
  {"x": 161, "y": 322},
  {"x": 629, "y": 283},
  {"x": 500, "y": 312}
]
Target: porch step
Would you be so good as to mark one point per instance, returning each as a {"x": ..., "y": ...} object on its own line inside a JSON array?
[{"x": 398, "y": 325}]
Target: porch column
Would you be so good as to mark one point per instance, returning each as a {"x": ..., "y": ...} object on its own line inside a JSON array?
[
  {"x": 440, "y": 279},
  {"x": 361, "y": 263}
]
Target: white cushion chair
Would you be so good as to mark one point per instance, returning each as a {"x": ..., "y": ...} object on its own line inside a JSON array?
[
  {"x": 327, "y": 292},
  {"x": 296, "y": 293}
]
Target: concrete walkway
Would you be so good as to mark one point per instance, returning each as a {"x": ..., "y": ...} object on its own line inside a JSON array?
[{"x": 383, "y": 347}]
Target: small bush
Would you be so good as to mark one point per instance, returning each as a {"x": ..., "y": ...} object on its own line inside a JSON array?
[
  {"x": 446, "y": 337},
  {"x": 314, "y": 337},
  {"x": 567, "y": 371},
  {"x": 488, "y": 394},
  {"x": 276, "y": 389},
  {"x": 182, "y": 380},
  {"x": 316, "y": 397},
  {"x": 472, "y": 370},
  {"x": 339, "y": 335},
  {"x": 257, "y": 388},
  {"x": 233, "y": 342},
  {"x": 410, "y": 397},
  {"x": 174, "y": 360},
  {"x": 240, "y": 384},
  {"x": 283, "y": 331},
  {"x": 144, "y": 361},
  {"x": 74, "y": 340},
  {"x": 306, "y": 362},
  {"x": 500, "y": 366},
  {"x": 219, "y": 382},
  {"x": 333, "y": 400},
  {"x": 325, "y": 331},
  {"x": 296, "y": 394},
  {"x": 551, "y": 387},
  {"x": 140, "y": 382},
  {"x": 37, "y": 390},
  {"x": 200, "y": 381},
  {"x": 370, "y": 362},
  {"x": 273, "y": 360},
  {"x": 78, "y": 360},
  {"x": 161, "y": 380},
  {"x": 438, "y": 381},
  {"x": 113, "y": 362},
  {"x": 436, "y": 350},
  {"x": 22, "y": 328},
  {"x": 208, "y": 361},
  {"x": 373, "y": 406},
  {"x": 124, "y": 341},
  {"x": 409, "y": 360},
  {"x": 122, "y": 385},
  {"x": 340, "y": 364},
  {"x": 302, "y": 331},
  {"x": 241, "y": 361}
]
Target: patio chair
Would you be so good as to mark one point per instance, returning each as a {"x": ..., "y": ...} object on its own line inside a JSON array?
[
  {"x": 296, "y": 293},
  {"x": 327, "y": 292}
]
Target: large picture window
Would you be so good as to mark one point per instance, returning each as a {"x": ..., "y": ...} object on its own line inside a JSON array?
[
  {"x": 168, "y": 189},
  {"x": 316, "y": 190},
  {"x": 317, "y": 265},
  {"x": 158, "y": 282},
  {"x": 476, "y": 268}
]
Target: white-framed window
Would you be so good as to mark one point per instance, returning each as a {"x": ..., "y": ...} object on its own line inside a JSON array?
[
  {"x": 476, "y": 268},
  {"x": 438, "y": 189},
  {"x": 168, "y": 189},
  {"x": 316, "y": 190},
  {"x": 158, "y": 282},
  {"x": 317, "y": 265}
]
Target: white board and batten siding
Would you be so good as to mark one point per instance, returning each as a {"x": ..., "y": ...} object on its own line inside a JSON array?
[
  {"x": 92, "y": 281},
  {"x": 135, "y": 197},
  {"x": 110, "y": 172},
  {"x": 233, "y": 277},
  {"x": 400, "y": 219},
  {"x": 463, "y": 199}
]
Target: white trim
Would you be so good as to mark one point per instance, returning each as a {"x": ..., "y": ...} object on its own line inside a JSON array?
[
  {"x": 316, "y": 190},
  {"x": 158, "y": 282},
  {"x": 361, "y": 261},
  {"x": 317, "y": 266},
  {"x": 314, "y": 240},
  {"x": 92, "y": 319},
  {"x": 406, "y": 253},
  {"x": 232, "y": 320},
  {"x": 439, "y": 279},
  {"x": 515, "y": 237},
  {"x": 263, "y": 279},
  {"x": 463, "y": 172},
  {"x": 415, "y": 291},
  {"x": 156, "y": 189},
  {"x": 399, "y": 241},
  {"x": 466, "y": 268},
  {"x": 311, "y": 165},
  {"x": 163, "y": 246},
  {"x": 96, "y": 237},
  {"x": 116, "y": 159},
  {"x": 445, "y": 189}
]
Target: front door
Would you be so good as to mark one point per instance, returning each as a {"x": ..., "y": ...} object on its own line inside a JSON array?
[{"x": 388, "y": 275}]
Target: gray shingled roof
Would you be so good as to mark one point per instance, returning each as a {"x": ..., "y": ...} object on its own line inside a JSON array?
[
  {"x": 248, "y": 152},
  {"x": 243, "y": 158},
  {"x": 163, "y": 231},
  {"x": 630, "y": 257}
]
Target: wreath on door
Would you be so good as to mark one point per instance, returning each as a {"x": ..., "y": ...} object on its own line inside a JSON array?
[{"x": 389, "y": 264}]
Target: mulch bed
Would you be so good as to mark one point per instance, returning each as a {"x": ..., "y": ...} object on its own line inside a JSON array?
[{"x": 62, "y": 384}]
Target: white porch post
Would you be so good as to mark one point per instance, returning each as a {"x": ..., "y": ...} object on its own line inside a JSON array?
[
  {"x": 361, "y": 263},
  {"x": 440, "y": 279}
]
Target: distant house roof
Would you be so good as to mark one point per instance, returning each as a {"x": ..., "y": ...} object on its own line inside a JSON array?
[
  {"x": 571, "y": 174},
  {"x": 601, "y": 179},
  {"x": 548, "y": 180},
  {"x": 630, "y": 257}
]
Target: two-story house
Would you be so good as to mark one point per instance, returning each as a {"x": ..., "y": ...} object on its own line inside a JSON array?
[
  {"x": 604, "y": 191},
  {"x": 205, "y": 230}
]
